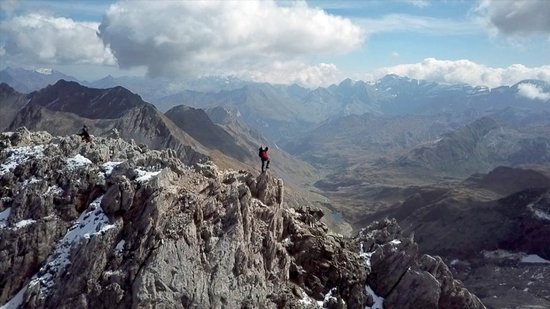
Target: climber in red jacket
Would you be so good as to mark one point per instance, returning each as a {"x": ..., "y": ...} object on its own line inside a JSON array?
[{"x": 265, "y": 157}]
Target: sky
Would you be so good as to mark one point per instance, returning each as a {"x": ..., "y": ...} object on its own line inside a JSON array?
[{"x": 311, "y": 43}]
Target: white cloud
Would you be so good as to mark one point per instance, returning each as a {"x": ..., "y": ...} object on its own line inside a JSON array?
[
  {"x": 302, "y": 74},
  {"x": 533, "y": 92},
  {"x": 419, "y": 3},
  {"x": 37, "y": 38},
  {"x": 8, "y": 6},
  {"x": 466, "y": 71},
  {"x": 194, "y": 38},
  {"x": 423, "y": 24},
  {"x": 513, "y": 17}
]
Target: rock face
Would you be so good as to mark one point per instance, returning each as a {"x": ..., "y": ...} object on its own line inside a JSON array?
[
  {"x": 115, "y": 225},
  {"x": 196, "y": 123},
  {"x": 405, "y": 278},
  {"x": 10, "y": 102}
]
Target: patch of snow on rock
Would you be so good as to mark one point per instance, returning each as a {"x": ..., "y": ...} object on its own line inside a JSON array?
[
  {"x": 535, "y": 259},
  {"x": 500, "y": 254},
  {"x": 541, "y": 214},
  {"x": 53, "y": 190},
  {"x": 77, "y": 161},
  {"x": 18, "y": 155},
  {"x": 378, "y": 300},
  {"x": 306, "y": 300},
  {"x": 92, "y": 222},
  {"x": 144, "y": 176},
  {"x": 16, "y": 301},
  {"x": 328, "y": 298},
  {"x": 365, "y": 256},
  {"x": 4, "y": 215},
  {"x": 30, "y": 181},
  {"x": 287, "y": 242},
  {"x": 120, "y": 246},
  {"x": 23, "y": 223},
  {"x": 109, "y": 166}
]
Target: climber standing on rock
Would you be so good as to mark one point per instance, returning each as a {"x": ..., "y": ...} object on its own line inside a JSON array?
[
  {"x": 85, "y": 135},
  {"x": 265, "y": 157}
]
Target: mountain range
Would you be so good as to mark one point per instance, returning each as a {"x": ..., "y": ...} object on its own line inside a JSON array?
[{"x": 450, "y": 162}]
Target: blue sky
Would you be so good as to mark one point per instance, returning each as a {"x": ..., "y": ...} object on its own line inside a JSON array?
[{"x": 486, "y": 42}]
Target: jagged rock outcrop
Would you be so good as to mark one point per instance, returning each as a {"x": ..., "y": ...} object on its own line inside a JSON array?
[
  {"x": 113, "y": 224},
  {"x": 407, "y": 279}
]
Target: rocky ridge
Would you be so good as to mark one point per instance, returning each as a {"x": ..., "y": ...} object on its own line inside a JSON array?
[{"x": 114, "y": 224}]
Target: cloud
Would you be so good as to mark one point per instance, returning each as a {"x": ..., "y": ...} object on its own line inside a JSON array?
[
  {"x": 513, "y": 17},
  {"x": 8, "y": 6},
  {"x": 195, "y": 38},
  {"x": 302, "y": 74},
  {"x": 532, "y": 92},
  {"x": 423, "y": 24},
  {"x": 466, "y": 71},
  {"x": 419, "y": 3},
  {"x": 41, "y": 39}
]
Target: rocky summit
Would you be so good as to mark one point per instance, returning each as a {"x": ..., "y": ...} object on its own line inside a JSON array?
[{"x": 112, "y": 224}]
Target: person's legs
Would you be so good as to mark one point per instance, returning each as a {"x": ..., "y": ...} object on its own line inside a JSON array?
[
  {"x": 267, "y": 165},
  {"x": 263, "y": 162}
]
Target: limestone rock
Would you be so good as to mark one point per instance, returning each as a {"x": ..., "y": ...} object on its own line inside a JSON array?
[{"x": 115, "y": 225}]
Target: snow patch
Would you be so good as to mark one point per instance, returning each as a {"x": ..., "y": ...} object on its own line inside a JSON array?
[
  {"x": 53, "y": 190},
  {"x": 120, "y": 246},
  {"x": 77, "y": 161},
  {"x": 500, "y": 254},
  {"x": 287, "y": 242},
  {"x": 535, "y": 259},
  {"x": 110, "y": 166},
  {"x": 306, "y": 300},
  {"x": 92, "y": 222},
  {"x": 16, "y": 301},
  {"x": 538, "y": 212},
  {"x": 18, "y": 155},
  {"x": 4, "y": 215},
  {"x": 328, "y": 298},
  {"x": 541, "y": 214},
  {"x": 378, "y": 300},
  {"x": 110, "y": 273},
  {"x": 521, "y": 256},
  {"x": 365, "y": 256},
  {"x": 23, "y": 223},
  {"x": 454, "y": 262},
  {"x": 30, "y": 181},
  {"x": 144, "y": 176},
  {"x": 395, "y": 242}
]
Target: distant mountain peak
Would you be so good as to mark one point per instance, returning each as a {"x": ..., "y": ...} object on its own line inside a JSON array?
[
  {"x": 70, "y": 96},
  {"x": 62, "y": 82},
  {"x": 347, "y": 82}
]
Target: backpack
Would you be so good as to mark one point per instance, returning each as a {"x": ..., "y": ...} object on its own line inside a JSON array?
[{"x": 263, "y": 155}]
